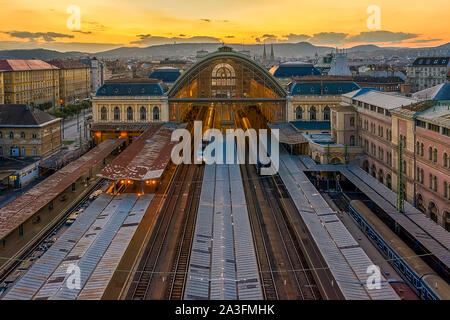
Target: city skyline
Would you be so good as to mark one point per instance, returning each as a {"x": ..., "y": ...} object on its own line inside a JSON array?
[{"x": 142, "y": 24}]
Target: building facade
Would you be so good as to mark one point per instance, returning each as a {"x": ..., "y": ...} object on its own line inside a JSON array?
[
  {"x": 124, "y": 107},
  {"x": 426, "y": 72},
  {"x": 28, "y": 132},
  {"x": 74, "y": 80},
  {"x": 29, "y": 82},
  {"x": 97, "y": 72}
]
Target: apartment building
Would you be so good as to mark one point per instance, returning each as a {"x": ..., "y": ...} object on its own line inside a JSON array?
[
  {"x": 426, "y": 72},
  {"x": 29, "y": 82},
  {"x": 74, "y": 80}
]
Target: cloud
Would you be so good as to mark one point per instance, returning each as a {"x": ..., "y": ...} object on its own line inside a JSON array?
[
  {"x": 229, "y": 37},
  {"x": 328, "y": 37},
  {"x": 206, "y": 20},
  {"x": 83, "y": 32},
  {"x": 46, "y": 36},
  {"x": 381, "y": 36},
  {"x": 292, "y": 37},
  {"x": 424, "y": 40},
  {"x": 182, "y": 35},
  {"x": 149, "y": 40},
  {"x": 59, "y": 46}
]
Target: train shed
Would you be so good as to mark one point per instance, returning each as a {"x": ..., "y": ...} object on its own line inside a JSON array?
[{"x": 23, "y": 219}]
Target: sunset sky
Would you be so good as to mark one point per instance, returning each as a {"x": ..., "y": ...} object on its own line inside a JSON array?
[{"x": 107, "y": 24}]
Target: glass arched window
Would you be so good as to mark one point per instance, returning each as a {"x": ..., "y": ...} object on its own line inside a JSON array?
[
  {"x": 435, "y": 155},
  {"x": 143, "y": 113},
  {"x": 223, "y": 80},
  {"x": 421, "y": 149},
  {"x": 312, "y": 113},
  {"x": 104, "y": 114},
  {"x": 11, "y": 135},
  {"x": 326, "y": 113},
  {"x": 430, "y": 153},
  {"x": 155, "y": 113},
  {"x": 299, "y": 113},
  {"x": 22, "y": 135},
  {"x": 129, "y": 113},
  {"x": 116, "y": 113}
]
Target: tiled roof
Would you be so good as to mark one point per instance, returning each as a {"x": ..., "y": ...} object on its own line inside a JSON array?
[
  {"x": 21, "y": 115},
  {"x": 24, "y": 65},
  {"x": 311, "y": 125},
  {"x": 132, "y": 87},
  {"x": 289, "y": 70},
  {"x": 68, "y": 64},
  {"x": 166, "y": 74}
]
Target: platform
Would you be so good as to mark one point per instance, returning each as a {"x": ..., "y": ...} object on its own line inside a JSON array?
[
  {"x": 146, "y": 158},
  {"x": 19, "y": 210},
  {"x": 223, "y": 261},
  {"x": 345, "y": 258},
  {"x": 95, "y": 243}
]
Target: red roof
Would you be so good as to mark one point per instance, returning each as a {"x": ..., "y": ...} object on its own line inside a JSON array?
[{"x": 24, "y": 65}]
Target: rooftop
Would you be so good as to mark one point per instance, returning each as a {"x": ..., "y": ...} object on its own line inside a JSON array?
[
  {"x": 294, "y": 69},
  {"x": 317, "y": 85},
  {"x": 24, "y": 65},
  {"x": 431, "y": 61},
  {"x": 20, "y": 115},
  {"x": 380, "y": 99},
  {"x": 68, "y": 64},
  {"x": 20, "y": 209},
  {"x": 131, "y": 87},
  {"x": 311, "y": 125},
  {"x": 439, "y": 92},
  {"x": 165, "y": 74}
]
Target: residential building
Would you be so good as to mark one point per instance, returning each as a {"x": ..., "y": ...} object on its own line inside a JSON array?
[
  {"x": 31, "y": 82},
  {"x": 97, "y": 72},
  {"x": 28, "y": 132},
  {"x": 74, "y": 80},
  {"x": 426, "y": 72}
]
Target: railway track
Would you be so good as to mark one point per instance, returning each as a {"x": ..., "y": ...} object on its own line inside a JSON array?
[
  {"x": 262, "y": 255},
  {"x": 145, "y": 275},
  {"x": 11, "y": 266},
  {"x": 177, "y": 278},
  {"x": 274, "y": 190}
]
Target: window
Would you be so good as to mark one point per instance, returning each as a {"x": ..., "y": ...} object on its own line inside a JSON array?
[
  {"x": 445, "y": 189},
  {"x": 22, "y": 135},
  {"x": 312, "y": 113},
  {"x": 104, "y": 114},
  {"x": 116, "y": 113},
  {"x": 352, "y": 121},
  {"x": 143, "y": 113},
  {"x": 431, "y": 181},
  {"x": 430, "y": 153},
  {"x": 445, "y": 160},
  {"x": 34, "y": 135},
  {"x": 298, "y": 113},
  {"x": 11, "y": 135},
  {"x": 435, "y": 155},
  {"x": 352, "y": 140},
  {"x": 1, "y": 135},
  {"x": 326, "y": 113},
  {"x": 34, "y": 151},
  {"x": 421, "y": 149},
  {"x": 155, "y": 113},
  {"x": 435, "y": 183},
  {"x": 129, "y": 113},
  {"x": 417, "y": 147}
]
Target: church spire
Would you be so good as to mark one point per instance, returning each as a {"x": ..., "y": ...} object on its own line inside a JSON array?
[
  {"x": 264, "y": 53},
  {"x": 272, "y": 56}
]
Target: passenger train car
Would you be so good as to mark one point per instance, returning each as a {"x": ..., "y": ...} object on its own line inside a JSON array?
[{"x": 425, "y": 282}]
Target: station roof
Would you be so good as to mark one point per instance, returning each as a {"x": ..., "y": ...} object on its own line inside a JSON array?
[
  {"x": 380, "y": 99},
  {"x": 146, "y": 158},
  {"x": 131, "y": 87},
  {"x": 288, "y": 134},
  {"x": 165, "y": 74},
  {"x": 294, "y": 69},
  {"x": 19, "y": 210},
  {"x": 312, "y": 125}
]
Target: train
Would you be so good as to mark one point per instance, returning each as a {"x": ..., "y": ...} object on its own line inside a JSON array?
[{"x": 421, "y": 278}]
